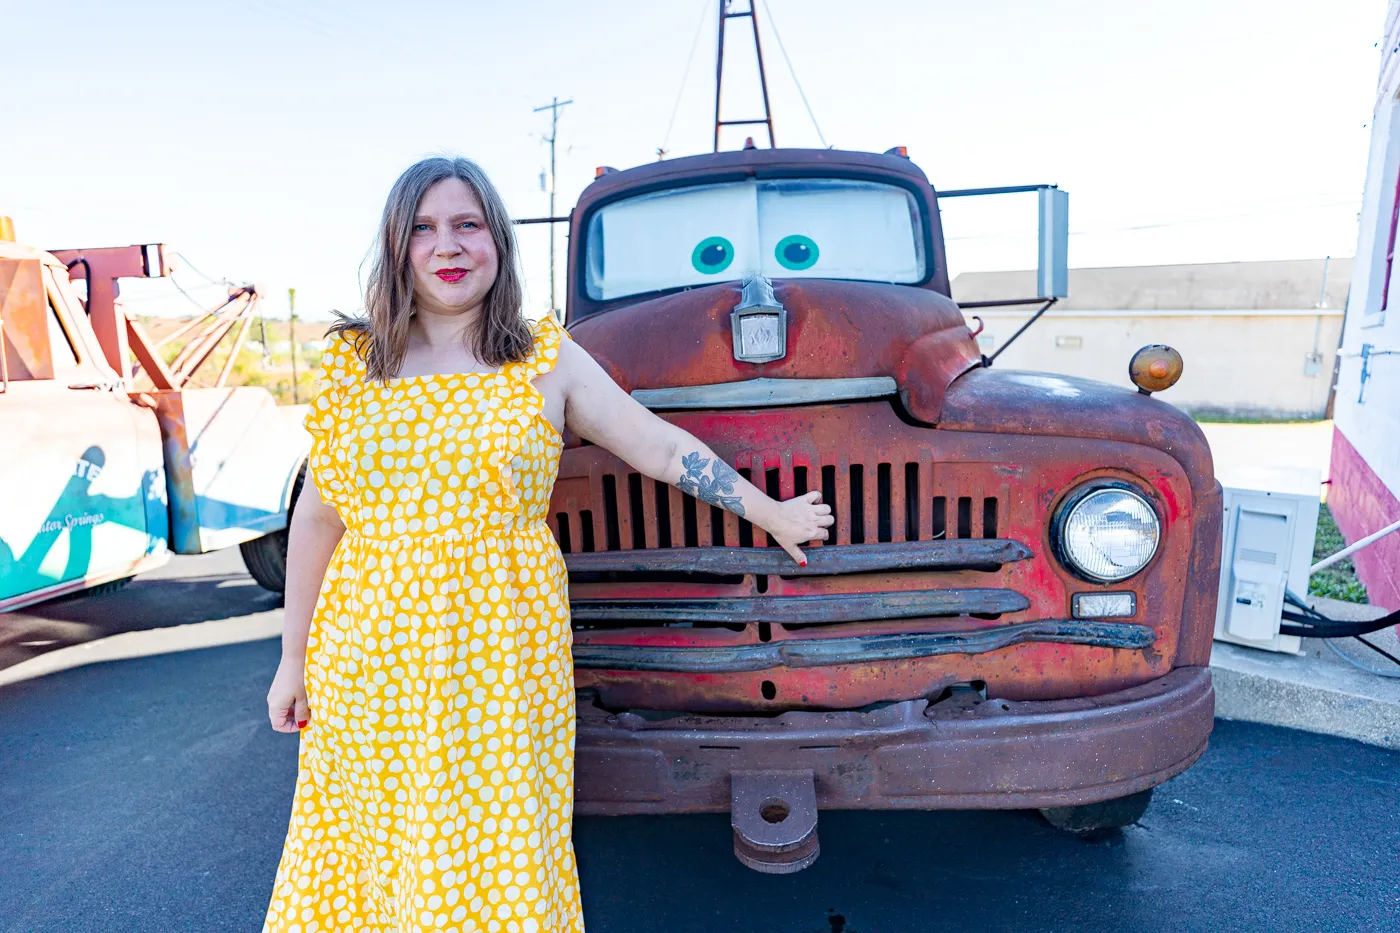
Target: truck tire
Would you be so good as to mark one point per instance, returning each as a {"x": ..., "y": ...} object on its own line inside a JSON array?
[
  {"x": 1094, "y": 817},
  {"x": 266, "y": 557}
]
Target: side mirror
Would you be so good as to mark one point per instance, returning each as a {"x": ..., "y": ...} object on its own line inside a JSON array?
[
  {"x": 1052, "y": 269},
  {"x": 1052, "y": 266}
]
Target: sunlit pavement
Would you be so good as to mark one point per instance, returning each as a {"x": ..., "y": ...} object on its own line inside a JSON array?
[
  {"x": 150, "y": 795},
  {"x": 1239, "y": 447},
  {"x": 208, "y": 588}
]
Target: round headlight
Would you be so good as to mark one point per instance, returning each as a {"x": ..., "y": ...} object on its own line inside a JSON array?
[{"x": 1109, "y": 534}]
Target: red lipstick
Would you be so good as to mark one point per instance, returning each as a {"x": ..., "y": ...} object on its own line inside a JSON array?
[{"x": 451, "y": 275}]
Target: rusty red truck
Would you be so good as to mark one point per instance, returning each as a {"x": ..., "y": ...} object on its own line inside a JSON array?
[{"x": 1016, "y": 604}]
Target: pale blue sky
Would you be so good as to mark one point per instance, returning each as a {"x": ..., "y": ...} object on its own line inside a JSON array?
[{"x": 259, "y": 138}]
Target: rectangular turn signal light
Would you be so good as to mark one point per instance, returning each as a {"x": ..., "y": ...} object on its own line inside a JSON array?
[{"x": 1104, "y": 605}]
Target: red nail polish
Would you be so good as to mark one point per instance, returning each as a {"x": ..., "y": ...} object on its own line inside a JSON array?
[
  {"x": 301, "y": 723},
  {"x": 802, "y": 563}
]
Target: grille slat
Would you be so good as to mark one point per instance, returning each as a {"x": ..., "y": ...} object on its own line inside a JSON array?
[
  {"x": 611, "y": 512},
  {"x": 870, "y": 502},
  {"x": 648, "y": 498},
  {"x": 596, "y": 530},
  {"x": 894, "y": 476},
  {"x": 636, "y": 483},
  {"x": 876, "y": 502},
  {"x": 745, "y": 526},
  {"x": 855, "y": 496},
  {"x": 922, "y": 492},
  {"x": 628, "y": 529},
  {"x": 676, "y": 504}
]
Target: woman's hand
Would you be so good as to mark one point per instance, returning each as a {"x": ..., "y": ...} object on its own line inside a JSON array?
[
  {"x": 286, "y": 698},
  {"x": 798, "y": 520}
]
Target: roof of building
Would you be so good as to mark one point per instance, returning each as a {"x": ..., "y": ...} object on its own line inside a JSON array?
[{"x": 1221, "y": 286}]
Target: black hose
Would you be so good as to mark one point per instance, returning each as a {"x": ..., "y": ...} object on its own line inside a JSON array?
[{"x": 1312, "y": 624}]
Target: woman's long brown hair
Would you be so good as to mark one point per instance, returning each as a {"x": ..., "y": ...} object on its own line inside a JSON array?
[{"x": 500, "y": 334}]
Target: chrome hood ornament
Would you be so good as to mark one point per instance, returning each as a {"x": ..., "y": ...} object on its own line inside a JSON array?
[{"x": 759, "y": 323}]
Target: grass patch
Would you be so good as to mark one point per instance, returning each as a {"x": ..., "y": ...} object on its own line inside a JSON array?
[
  {"x": 1338, "y": 581},
  {"x": 1222, "y": 417}
]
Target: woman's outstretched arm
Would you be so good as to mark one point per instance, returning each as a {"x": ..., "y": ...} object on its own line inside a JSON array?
[
  {"x": 597, "y": 409},
  {"x": 315, "y": 531}
]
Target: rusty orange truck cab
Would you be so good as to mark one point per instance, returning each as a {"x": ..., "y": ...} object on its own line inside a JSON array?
[{"x": 1016, "y": 604}]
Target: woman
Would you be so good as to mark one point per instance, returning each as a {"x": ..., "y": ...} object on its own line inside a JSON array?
[{"x": 426, "y": 650}]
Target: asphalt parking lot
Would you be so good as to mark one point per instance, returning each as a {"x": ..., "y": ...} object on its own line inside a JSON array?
[{"x": 149, "y": 794}]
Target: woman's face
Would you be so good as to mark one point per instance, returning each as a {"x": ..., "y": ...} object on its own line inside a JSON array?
[{"x": 451, "y": 250}]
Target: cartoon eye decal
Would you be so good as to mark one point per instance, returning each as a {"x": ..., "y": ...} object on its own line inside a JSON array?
[
  {"x": 712, "y": 254},
  {"x": 796, "y": 252}
]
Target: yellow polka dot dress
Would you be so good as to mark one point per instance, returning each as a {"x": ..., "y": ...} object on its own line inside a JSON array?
[{"x": 435, "y": 782}]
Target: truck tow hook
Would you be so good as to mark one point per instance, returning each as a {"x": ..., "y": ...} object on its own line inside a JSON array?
[{"x": 774, "y": 815}]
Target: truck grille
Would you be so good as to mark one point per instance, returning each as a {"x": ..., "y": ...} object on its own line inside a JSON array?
[{"x": 872, "y": 503}]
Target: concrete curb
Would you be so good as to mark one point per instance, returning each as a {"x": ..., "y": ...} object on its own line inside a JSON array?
[{"x": 1305, "y": 692}]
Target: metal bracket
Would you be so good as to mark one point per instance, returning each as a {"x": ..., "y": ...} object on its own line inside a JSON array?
[{"x": 774, "y": 816}]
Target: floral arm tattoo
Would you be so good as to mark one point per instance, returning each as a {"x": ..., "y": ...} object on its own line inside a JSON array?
[{"x": 717, "y": 488}]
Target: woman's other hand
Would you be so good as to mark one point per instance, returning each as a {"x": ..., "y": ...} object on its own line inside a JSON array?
[
  {"x": 286, "y": 698},
  {"x": 799, "y": 520}
]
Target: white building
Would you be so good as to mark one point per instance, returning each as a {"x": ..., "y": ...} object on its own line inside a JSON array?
[
  {"x": 1365, "y": 492},
  {"x": 1259, "y": 339}
]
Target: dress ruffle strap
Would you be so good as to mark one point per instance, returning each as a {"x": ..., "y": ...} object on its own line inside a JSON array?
[
  {"x": 342, "y": 370},
  {"x": 549, "y": 335}
]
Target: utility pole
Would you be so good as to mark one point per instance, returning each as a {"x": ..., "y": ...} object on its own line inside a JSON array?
[
  {"x": 292, "y": 323},
  {"x": 553, "y": 108}
]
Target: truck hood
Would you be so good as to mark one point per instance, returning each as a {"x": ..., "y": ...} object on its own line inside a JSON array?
[
  {"x": 1007, "y": 401},
  {"x": 836, "y": 329}
]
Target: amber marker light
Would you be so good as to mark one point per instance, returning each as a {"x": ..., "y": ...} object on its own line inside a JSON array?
[{"x": 1154, "y": 368}]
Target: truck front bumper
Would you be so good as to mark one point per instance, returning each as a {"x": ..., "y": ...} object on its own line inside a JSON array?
[{"x": 962, "y": 753}]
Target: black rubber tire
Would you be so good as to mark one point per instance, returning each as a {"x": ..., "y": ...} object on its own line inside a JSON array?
[
  {"x": 266, "y": 557},
  {"x": 266, "y": 560},
  {"x": 1096, "y": 817}
]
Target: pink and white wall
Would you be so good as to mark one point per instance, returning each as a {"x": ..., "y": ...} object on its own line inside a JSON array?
[{"x": 1364, "y": 494}]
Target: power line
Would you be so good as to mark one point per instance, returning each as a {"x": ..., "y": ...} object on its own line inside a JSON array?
[
  {"x": 194, "y": 301},
  {"x": 793, "y": 71},
  {"x": 195, "y": 269},
  {"x": 680, "y": 92}
]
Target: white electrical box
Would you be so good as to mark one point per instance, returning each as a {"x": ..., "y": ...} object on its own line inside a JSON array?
[{"x": 1269, "y": 529}]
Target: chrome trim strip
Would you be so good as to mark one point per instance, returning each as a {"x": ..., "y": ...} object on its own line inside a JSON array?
[
  {"x": 948, "y": 554},
  {"x": 764, "y": 392},
  {"x": 825, "y": 652},
  {"x": 807, "y": 609}
]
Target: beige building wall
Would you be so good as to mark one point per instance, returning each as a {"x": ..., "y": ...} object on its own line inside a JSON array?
[{"x": 1249, "y": 363}]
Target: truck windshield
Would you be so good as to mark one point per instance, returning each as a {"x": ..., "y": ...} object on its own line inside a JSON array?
[{"x": 827, "y": 228}]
